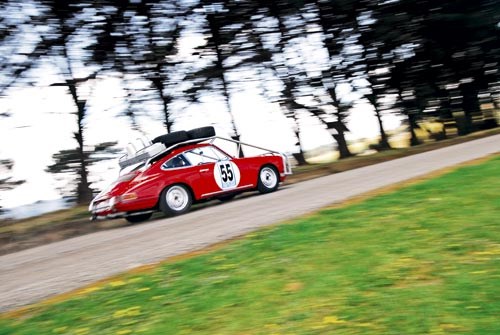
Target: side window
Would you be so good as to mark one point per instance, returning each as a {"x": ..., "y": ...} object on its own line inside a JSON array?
[
  {"x": 175, "y": 162},
  {"x": 201, "y": 155},
  {"x": 214, "y": 152}
]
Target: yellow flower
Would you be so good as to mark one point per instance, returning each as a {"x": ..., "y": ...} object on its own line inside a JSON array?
[
  {"x": 90, "y": 289},
  {"x": 59, "y": 329},
  {"x": 132, "y": 311},
  {"x": 293, "y": 286},
  {"x": 143, "y": 289},
  {"x": 479, "y": 272},
  {"x": 226, "y": 267},
  {"x": 157, "y": 297},
  {"x": 117, "y": 283},
  {"x": 490, "y": 252},
  {"x": 366, "y": 324},
  {"x": 332, "y": 320},
  {"x": 271, "y": 326},
  {"x": 134, "y": 280},
  {"x": 218, "y": 258}
]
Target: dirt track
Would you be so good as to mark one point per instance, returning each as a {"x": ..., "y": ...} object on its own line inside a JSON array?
[{"x": 30, "y": 275}]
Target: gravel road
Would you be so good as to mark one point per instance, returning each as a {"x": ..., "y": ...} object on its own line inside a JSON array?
[{"x": 31, "y": 275}]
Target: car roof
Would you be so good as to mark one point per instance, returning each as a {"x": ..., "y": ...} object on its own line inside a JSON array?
[{"x": 186, "y": 147}]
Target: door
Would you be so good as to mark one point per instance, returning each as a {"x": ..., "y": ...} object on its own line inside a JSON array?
[{"x": 218, "y": 173}]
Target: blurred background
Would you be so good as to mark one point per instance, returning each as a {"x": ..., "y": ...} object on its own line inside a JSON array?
[{"x": 320, "y": 80}]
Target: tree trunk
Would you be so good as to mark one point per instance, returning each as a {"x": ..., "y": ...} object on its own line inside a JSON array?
[
  {"x": 342, "y": 145},
  {"x": 288, "y": 98},
  {"x": 289, "y": 105},
  {"x": 158, "y": 84},
  {"x": 299, "y": 156},
  {"x": 445, "y": 113},
  {"x": 84, "y": 192},
  {"x": 157, "y": 78},
  {"x": 470, "y": 105},
  {"x": 215, "y": 31},
  {"x": 339, "y": 126},
  {"x": 384, "y": 142},
  {"x": 412, "y": 124}
]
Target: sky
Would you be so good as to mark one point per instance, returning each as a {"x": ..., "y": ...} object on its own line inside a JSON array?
[{"x": 41, "y": 125}]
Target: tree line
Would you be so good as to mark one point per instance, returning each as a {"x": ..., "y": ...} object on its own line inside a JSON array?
[{"x": 421, "y": 59}]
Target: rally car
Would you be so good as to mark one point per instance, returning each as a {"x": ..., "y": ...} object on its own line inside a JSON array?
[{"x": 178, "y": 169}]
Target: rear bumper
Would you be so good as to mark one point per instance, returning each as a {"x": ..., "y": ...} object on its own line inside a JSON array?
[
  {"x": 102, "y": 216},
  {"x": 105, "y": 209},
  {"x": 115, "y": 207},
  {"x": 117, "y": 215}
]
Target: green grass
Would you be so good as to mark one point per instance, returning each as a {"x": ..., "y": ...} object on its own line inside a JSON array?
[{"x": 422, "y": 260}]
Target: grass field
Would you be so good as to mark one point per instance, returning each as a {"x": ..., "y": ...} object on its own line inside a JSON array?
[{"x": 422, "y": 260}]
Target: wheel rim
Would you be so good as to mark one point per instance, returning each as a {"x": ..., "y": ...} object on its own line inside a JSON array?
[
  {"x": 177, "y": 198},
  {"x": 268, "y": 177}
]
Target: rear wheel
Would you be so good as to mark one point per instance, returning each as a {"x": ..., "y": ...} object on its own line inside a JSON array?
[
  {"x": 175, "y": 200},
  {"x": 138, "y": 218},
  {"x": 268, "y": 179}
]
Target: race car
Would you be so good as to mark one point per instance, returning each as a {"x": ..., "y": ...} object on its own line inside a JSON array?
[{"x": 175, "y": 170}]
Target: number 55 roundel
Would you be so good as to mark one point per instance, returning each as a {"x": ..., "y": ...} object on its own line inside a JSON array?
[{"x": 227, "y": 175}]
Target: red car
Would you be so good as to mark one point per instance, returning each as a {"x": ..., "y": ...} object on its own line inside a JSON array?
[{"x": 184, "y": 167}]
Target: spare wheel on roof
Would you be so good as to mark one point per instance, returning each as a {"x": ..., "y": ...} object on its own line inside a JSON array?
[
  {"x": 172, "y": 138},
  {"x": 202, "y": 132}
]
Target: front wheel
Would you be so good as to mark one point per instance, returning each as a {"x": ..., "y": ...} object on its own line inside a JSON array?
[
  {"x": 175, "y": 200},
  {"x": 268, "y": 179}
]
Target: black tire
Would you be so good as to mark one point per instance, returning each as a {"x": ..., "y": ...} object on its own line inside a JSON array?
[
  {"x": 202, "y": 132},
  {"x": 175, "y": 200},
  {"x": 138, "y": 218},
  {"x": 172, "y": 138},
  {"x": 268, "y": 179},
  {"x": 227, "y": 197}
]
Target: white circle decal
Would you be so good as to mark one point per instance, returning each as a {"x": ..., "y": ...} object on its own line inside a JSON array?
[{"x": 226, "y": 174}]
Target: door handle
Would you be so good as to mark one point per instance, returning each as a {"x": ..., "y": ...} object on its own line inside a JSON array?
[{"x": 204, "y": 170}]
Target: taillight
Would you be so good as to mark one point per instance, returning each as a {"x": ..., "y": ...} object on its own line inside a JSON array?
[{"x": 128, "y": 197}]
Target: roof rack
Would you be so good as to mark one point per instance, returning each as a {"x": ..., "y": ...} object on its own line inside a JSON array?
[
  {"x": 153, "y": 152},
  {"x": 211, "y": 139},
  {"x": 140, "y": 155}
]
